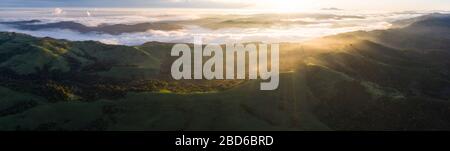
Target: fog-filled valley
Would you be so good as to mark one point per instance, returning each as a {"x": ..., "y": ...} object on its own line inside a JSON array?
[{"x": 368, "y": 72}]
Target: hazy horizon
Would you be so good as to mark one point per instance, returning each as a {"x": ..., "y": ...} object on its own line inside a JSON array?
[
  {"x": 281, "y": 5},
  {"x": 217, "y": 21},
  {"x": 214, "y": 25}
]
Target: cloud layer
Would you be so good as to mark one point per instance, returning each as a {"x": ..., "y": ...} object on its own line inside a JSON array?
[{"x": 214, "y": 26}]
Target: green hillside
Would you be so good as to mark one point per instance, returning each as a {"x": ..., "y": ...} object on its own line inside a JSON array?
[{"x": 352, "y": 81}]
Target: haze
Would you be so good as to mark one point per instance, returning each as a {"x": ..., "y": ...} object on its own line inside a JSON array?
[{"x": 283, "y": 5}]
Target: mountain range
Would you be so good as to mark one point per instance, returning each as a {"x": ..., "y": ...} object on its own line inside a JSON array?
[
  {"x": 394, "y": 79},
  {"x": 114, "y": 29}
]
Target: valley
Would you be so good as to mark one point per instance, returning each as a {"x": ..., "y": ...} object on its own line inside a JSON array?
[{"x": 395, "y": 79}]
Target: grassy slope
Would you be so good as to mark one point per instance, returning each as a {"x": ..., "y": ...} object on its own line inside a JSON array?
[
  {"x": 343, "y": 82},
  {"x": 330, "y": 90},
  {"x": 241, "y": 108}
]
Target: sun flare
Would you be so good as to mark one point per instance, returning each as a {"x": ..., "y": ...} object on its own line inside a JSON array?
[{"x": 286, "y": 5}]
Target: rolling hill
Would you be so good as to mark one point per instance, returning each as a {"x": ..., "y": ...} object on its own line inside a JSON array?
[{"x": 396, "y": 79}]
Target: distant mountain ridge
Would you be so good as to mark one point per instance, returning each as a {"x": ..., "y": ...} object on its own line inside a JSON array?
[
  {"x": 429, "y": 32},
  {"x": 114, "y": 29}
]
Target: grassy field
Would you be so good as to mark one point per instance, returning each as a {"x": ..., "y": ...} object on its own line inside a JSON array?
[{"x": 241, "y": 108}]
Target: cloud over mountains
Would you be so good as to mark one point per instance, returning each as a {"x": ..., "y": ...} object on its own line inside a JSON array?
[{"x": 212, "y": 25}]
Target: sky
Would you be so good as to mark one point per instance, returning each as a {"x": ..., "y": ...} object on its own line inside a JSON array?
[{"x": 287, "y": 5}]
